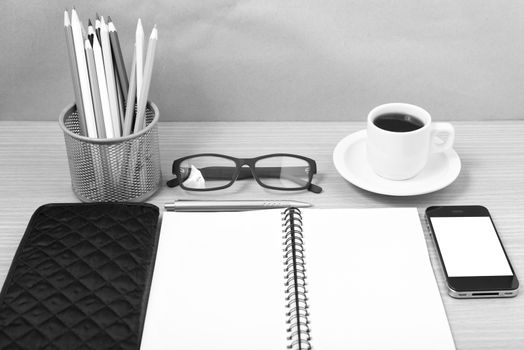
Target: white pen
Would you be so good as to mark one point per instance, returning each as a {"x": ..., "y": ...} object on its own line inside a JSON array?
[{"x": 231, "y": 205}]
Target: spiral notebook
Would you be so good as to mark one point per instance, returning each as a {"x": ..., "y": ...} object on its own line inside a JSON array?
[{"x": 310, "y": 279}]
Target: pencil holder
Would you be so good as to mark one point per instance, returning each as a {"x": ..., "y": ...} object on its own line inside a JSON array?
[{"x": 123, "y": 169}]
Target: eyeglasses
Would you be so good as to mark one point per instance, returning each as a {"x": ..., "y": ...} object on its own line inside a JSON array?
[{"x": 210, "y": 171}]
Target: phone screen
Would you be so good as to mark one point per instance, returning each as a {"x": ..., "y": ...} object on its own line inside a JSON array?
[{"x": 469, "y": 246}]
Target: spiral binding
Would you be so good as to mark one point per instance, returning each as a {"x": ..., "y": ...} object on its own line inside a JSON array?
[{"x": 295, "y": 277}]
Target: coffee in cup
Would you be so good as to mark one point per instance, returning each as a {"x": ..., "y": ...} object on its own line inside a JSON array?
[
  {"x": 401, "y": 138},
  {"x": 398, "y": 122}
]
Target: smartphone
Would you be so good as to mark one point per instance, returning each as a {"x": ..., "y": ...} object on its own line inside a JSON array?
[{"x": 471, "y": 252}]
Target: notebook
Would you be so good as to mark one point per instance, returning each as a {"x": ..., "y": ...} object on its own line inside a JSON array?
[{"x": 294, "y": 279}]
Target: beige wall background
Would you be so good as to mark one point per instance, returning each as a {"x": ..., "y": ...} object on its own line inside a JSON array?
[{"x": 284, "y": 60}]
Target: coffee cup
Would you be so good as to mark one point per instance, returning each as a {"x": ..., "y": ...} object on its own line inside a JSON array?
[{"x": 401, "y": 137}]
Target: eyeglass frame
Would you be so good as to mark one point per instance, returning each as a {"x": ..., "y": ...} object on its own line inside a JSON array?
[{"x": 250, "y": 162}]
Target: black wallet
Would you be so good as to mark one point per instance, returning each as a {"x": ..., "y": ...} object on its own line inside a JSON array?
[{"x": 80, "y": 278}]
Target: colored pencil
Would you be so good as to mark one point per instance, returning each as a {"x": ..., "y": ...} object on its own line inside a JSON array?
[
  {"x": 117, "y": 54},
  {"x": 139, "y": 47},
  {"x": 110, "y": 78},
  {"x": 85, "y": 87},
  {"x": 74, "y": 74},
  {"x": 120, "y": 99},
  {"x": 130, "y": 99},
  {"x": 102, "y": 87},
  {"x": 148, "y": 70},
  {"x": 95, "y": 91}
]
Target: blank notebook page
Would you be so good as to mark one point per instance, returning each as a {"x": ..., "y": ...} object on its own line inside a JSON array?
[
  {"x": 371, "y": 285},
  {"x": 218, "y": 283}
]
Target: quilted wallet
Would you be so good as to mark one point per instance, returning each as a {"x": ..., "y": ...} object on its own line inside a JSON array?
[{"x": 80, "y": 278}]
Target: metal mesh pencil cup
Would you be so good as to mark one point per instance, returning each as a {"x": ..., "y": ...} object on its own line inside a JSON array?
[{"x": 123, "y": 169}]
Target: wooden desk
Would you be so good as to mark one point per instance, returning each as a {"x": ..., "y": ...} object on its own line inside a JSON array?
[{"x": 34, "y": 171}]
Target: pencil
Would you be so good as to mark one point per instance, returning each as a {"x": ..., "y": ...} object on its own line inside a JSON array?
[
  {"x": 74, "y": 74},
  {"x": 139, "y": 47},
  {"x": 102, "y": 87},
  {"x": 117, "y": 54},
  {"x": 148, "y": 70},
  {"x": 95, "y": 91},
  {"x": 130, "y": 99},
  {"x": 85, "y": 87},
  {"x": 110, "y": 78}
]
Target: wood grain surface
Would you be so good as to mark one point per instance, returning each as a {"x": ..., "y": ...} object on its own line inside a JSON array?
[{"x": 34, "y": 171}]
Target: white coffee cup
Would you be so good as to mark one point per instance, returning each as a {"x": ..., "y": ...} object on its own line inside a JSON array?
[{"x": 400, "y": 155}]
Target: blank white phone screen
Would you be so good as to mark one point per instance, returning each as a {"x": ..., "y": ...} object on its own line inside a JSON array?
[{"x": 470, "y": 247}]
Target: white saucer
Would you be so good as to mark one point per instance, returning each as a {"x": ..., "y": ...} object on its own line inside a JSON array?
[{"x": 351, "y": 162}]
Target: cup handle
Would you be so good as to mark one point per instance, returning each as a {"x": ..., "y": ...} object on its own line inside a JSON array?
[{"x": 446, "y": 128}]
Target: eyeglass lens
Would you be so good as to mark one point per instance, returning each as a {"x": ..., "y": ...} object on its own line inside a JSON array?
[
  {"x": 207, "y": 172},
  {"x": 283, "y": 172}
]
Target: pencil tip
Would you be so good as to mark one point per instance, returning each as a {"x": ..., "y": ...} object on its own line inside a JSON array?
[
  {"x": 109, "y": 19},
  {"x": 89, "y": 22},
  {"x": 67, "y": 22},
  {"x": 154, "y": 33},
  {"x": 97, "y": 15}
]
